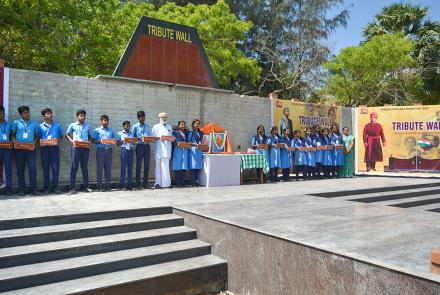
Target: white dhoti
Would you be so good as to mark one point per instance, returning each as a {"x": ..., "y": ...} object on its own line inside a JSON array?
[{"x": 162, "y": 173}]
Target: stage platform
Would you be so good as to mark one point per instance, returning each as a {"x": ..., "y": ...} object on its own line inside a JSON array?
[{"x": 366, "y": 235}]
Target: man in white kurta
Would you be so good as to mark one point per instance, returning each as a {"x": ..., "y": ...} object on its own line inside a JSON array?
[{"x": 162, "y": 152}]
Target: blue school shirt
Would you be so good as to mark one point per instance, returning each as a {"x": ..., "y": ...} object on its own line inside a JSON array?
[
  {"x": 337, "y": 155},
  {"x": 25, "y": 132},
  {"x": 286, "y": 158},
  {"x": 300, "y": 158},
  {"x": 103, "y": 133},
  {"x": 275, "y": 154},
  {"x": 80, "y": 132},
  {"x": 120, "y": 137},
  {"x": 139, "y": 130},
  {"x": 256, "y": 140},
  {"x": 309, "y": 155},
  {"x": 180, "y": 155},
  {"x": 5, "y": 131},
  {"x": 195, "y": 154},
  {"x": 50, "y": 131}
]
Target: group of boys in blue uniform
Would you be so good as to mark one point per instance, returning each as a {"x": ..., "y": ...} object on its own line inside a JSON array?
[
  {"x": 81, "y": 136},
  {"x": 301, "y": 151}
]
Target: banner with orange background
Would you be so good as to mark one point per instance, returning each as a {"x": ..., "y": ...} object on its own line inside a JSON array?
[
  {"x": 411, "y": 136},
  {"x": 304, "y": 114}
]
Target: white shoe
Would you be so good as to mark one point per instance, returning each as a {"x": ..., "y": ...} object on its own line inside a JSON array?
[{"x": 3, "y": 185}]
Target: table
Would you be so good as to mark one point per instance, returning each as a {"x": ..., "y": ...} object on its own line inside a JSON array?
[
  {"x": 220, "y": 170},
  {"x": 254, "y": 161}
]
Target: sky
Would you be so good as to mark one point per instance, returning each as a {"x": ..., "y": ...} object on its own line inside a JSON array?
[{"x": 361, "y": 13}]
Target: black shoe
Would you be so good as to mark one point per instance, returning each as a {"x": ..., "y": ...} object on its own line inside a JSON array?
[
  {"x": 46, "y": 191},
  {"x": 157, "y": 186},
  {"x": 56, "y": 191},
  {"x": 72, "y": 192},
  {"x": 139, "y": 187},
  {"x": 21, "y": 193},
  {"x": 35, "y": 193},
  {"x": 145, "y": 186},
  {"x": 8, "y": 192}
]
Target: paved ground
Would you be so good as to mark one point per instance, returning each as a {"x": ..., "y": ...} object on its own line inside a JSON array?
[{"x": 365, "y": 225}]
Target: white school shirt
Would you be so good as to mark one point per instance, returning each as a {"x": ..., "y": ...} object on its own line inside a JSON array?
[{"x": 162, "y": 148}]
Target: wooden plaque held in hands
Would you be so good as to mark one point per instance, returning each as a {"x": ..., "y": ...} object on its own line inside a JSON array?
[
  {"x": 6, "y": 145},
  {"x": 81, "y": 144},
  {"x": 24, "y": 146},
  {"x": 48, "y": 142},
  {"x": 148, "y": 139}
]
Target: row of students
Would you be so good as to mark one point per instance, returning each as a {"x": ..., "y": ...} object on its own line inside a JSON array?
[
  {"x": 25, "y": 130},
  {"x": 283, "y": 151}
]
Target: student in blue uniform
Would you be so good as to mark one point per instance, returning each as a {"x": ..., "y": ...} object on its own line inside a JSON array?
[
  {"x": 104, "y": 153},
  {"x": 6, "y": 154},
  {"x": 195, "y": 153},
  {"x": 180, "y": 155},
  {"x": 338, "y": 154},
  {"x": 126, "y": 156},
  {"x": 316, "y": 138},
  {"x": 50, "y": 155},
  {"x": 286, "y": 159},
  {"x": 260, "y": 138},
  {"x": 299, "y": 158},
  {"x": 79, "y": 131},
  {"x": 275, "y": 154},
  {"x": 326, "y": 154},
  {"x": 25, "y": 130},
  {"x": 142, "y": 149},
  {"x": 309, "y": 155}
]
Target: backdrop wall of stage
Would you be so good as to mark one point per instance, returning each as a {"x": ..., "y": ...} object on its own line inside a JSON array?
[
  {"x": 404, "y": 139},
  {"x": 121, "y": 98}
]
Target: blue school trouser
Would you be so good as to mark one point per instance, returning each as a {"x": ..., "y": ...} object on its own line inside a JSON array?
[
  {"x": 180, "y": 177},
  {"x": 142, "y": 155},
  {"x": 79, "y": 155},
  {"x": 23, "y": 158},
  {"x": 50, "y": 158},
  {"x": 195, "y": 176},
  {"x": 5, "y": 157},
  {"x": 103, "y": 161},
  {"x": 126, "y": 166}
]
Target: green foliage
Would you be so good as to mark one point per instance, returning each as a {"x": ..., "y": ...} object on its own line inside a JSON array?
[
  {"x": 411, "y": 21},
  {"x": 377, "y": 72},
  {"x": 220, "y": 32},
  {"x": 83, "y": 37}
]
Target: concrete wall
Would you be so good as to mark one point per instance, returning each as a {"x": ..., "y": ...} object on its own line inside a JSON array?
[
  {"x": 261, "y": 264},
  {"x": 121, "y": 98}
]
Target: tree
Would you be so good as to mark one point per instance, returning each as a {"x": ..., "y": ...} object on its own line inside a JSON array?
[
  {"x": 83, "y": 37},
  {"x": 411, "y": 21},
  {"x": 377, "y": 72},
  {"x": 289, "y": 40}
]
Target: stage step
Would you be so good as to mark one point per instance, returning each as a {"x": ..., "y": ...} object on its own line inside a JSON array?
[
  {"x": 52, "y": 233},
  {"x": 375, "y": 190},
  {"x": 82, "y": 217},
  {"x": 199, "y": 275},
  {"x": 62, "y": 250},
  {"x": 408, "y": 193},
  {"x": 35, "y": 253}
]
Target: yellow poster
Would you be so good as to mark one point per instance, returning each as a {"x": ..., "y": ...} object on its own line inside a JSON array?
[
  {"x": 398, "y": 139},
  {"x": 301, "y": 115}
]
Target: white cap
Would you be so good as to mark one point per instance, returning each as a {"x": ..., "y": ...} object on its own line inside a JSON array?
[{"x": 163, "y": 115}]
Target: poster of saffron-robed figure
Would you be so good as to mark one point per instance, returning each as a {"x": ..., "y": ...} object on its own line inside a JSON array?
[{"x": 399, "y": 139}]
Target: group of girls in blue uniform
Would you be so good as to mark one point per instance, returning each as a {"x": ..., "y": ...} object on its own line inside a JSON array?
[
  {"x": 187, "y": 158},
  {"x": 301, "y": 151}
]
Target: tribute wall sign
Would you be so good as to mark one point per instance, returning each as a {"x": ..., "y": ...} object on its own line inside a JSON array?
[{"x": 166, "y": 52}]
